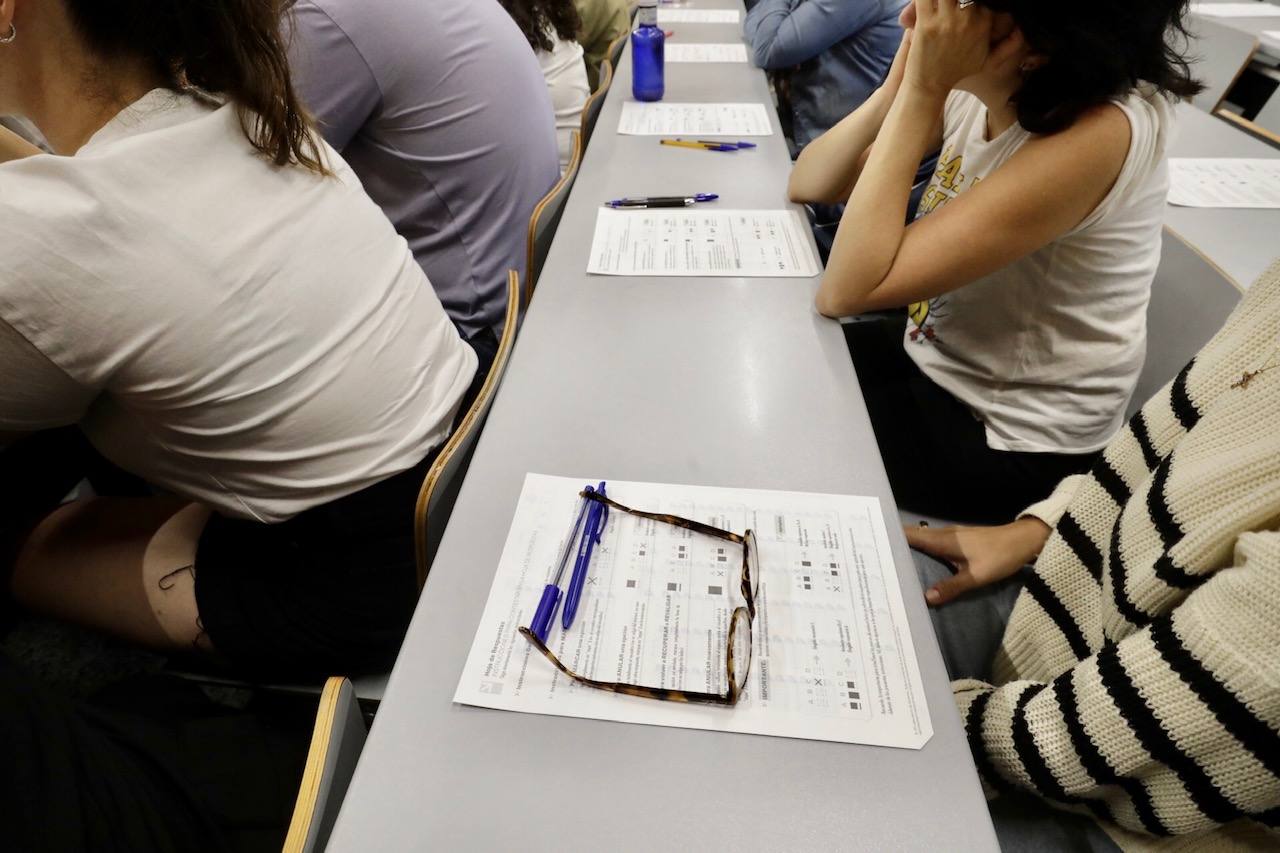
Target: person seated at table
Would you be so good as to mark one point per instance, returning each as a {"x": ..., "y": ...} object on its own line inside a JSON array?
[
  {"x": 201, "y": 285},
  {"x": 442, "y": 113},
  {"x": 551, "y": 28},
  {"x": 603, "y": 23},
  {"x": 1028, "y": 270},
  {"x": 827, "y": 57},
  {"x": 1137, "y": 681}
]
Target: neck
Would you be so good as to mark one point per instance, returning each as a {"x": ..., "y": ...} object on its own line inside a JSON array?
[
  {"x": 70, "y": 98},
  {"x": 1001, "y": 113}
]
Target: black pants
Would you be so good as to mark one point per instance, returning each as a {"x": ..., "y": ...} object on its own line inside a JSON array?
[
  {"x": 935, "y": 450},
  {"x": 148, "y": 765}
]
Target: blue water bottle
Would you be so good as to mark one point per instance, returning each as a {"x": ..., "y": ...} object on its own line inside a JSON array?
[{"x": 646, "y": 54}]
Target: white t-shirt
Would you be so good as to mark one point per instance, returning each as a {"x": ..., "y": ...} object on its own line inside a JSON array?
[
  {"x": 255, "y": 338},
  {"x": 566, "y": 75},
  {"x": 1047, "y": 351}
]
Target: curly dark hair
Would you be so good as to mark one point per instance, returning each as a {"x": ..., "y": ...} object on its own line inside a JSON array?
[
  {"x": 1097, "y": 50},
  {"x": 536, "y": 17}
]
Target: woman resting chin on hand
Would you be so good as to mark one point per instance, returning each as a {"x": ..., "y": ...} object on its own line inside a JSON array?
[{"x": 1027, "y": 270}]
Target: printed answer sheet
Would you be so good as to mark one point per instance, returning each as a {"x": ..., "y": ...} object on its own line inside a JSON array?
[
  {"x": 1234, "y": 10},
  {"x": 833, "y": 658},
  {"x": 678, "y": 52},
  {"x": 1243, "y": 183},
  {"x": 663, "y": 119},
  {"x": 697, "y": 16},
  {"x": 692, "y": 242}
]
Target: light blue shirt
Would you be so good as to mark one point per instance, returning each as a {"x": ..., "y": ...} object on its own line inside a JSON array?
[
  {"x": 840, "y": 51},
  {"x": 442, "y": 111}
]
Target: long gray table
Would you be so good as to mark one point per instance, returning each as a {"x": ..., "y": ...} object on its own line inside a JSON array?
[
  {"x": 1240, "y": 243},
  {"x": 729, "y": 382}
]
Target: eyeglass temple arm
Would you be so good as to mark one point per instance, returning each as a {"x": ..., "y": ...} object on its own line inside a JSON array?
[{"x": 665, "y": 518}]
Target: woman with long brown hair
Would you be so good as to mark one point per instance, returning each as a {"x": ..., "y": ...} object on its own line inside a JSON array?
[{"x": 198, "y": 286}]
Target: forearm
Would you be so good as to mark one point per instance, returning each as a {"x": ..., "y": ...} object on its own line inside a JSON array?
[
  {"x": 14, "y": 147},
  {"x": 874, "y": 221},
  {"x": 830, "y": 165}
]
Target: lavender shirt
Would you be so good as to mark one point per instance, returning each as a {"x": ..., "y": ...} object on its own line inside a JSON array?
[{"x": 442, "y": 111}]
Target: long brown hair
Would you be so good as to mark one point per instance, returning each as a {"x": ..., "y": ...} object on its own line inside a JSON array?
[{"x": 233, "y": 48}]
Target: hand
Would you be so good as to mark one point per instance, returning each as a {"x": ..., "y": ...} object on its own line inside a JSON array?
[
  {"x": 949, "y": 44},
  {"x": 980, "y": 555}
]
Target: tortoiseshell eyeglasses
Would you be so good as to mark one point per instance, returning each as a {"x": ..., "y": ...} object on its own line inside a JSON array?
[{"x": 738, "y": 651}]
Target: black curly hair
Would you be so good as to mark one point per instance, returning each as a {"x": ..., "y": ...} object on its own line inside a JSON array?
[
  {"x": 536, "y": 17},
  {"x": 1097, "y": 50}
]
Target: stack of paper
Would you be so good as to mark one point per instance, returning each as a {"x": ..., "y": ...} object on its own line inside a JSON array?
[{"x": 1212, "y": 182}]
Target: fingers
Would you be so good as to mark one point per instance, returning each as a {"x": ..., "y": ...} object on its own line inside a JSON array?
[
  {"x": 949, "y": 589},
  {"x": 942, "y": 543}
]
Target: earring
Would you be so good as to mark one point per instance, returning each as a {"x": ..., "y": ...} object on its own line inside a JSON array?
[{"x": 13, "y": 34}]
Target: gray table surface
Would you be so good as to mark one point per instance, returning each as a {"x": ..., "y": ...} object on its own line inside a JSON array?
[
  {"x": 727, "y": 382},
  {"x": 1255, "y": 26},
  {"x": 1240, "y": 243}
]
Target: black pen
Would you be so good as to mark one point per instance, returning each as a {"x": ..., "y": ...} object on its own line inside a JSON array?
[{"x": 662, "y": 201}]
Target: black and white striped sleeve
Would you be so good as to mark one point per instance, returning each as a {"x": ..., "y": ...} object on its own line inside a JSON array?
[{"x": 1174, "y": 730}]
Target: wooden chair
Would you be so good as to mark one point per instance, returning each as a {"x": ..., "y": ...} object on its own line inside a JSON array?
[
  {"x": 546, "y": 218},
  {"x": 1221, "y": 55},
  {"x": 614, "y": 54},
  {"x": 440, "y": 486},
  {"x": 591, "y": 109},
  {"x": 336, "y": 744}
]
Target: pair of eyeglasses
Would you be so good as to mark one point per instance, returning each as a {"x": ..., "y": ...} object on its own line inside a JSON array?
[{"x": 737, "y": 659}]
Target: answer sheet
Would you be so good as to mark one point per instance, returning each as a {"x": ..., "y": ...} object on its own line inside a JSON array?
[
  {"x": 697, "y": 16},
  {"x": 1210, "y": 182},
  {"x": 702, "y": 242},
  {"x": 833, "y": 658},
  {"x": 1236, "y": 10},
  {"x": 681, "y": 52},
  {"x": 663, "y": 119}
]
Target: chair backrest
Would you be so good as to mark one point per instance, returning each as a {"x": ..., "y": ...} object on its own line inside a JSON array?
[
  {"x": 1190, "y": 300},
  {"x": 444, "y": 477},
  {"x": 591, "y": 109},
  {"x": 615, "y": 49},
  {"x": 1220, "y": 54},
  {"x": 546, "y": 218},
  {"x": 336, "y": 744}
]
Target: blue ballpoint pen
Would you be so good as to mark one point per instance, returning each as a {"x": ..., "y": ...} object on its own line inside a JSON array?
[
  {"x": 546, "y": 611},
  {"x": 596, "y": 520},
  {"x": 663, "y": 201}
]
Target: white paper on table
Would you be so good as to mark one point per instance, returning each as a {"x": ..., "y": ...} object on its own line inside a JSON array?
[
  {"x": 685, "y": 52},
  {"x": 1212, "y": 182},
  {"x": 1272, "y": 35},
  {"x": 659, "y": 118},
  {"x": 1236, "y": 10},
  {"x": 697, "y": 16},
  {"x": 833, "y": 658},
  {"x": 700, "y": 241}
]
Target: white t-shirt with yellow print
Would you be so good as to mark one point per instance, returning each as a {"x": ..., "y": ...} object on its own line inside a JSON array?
[{"x": 1047, "y": 351}]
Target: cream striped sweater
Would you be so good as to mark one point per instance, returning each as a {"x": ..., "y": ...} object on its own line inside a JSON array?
[{"x": 1139, "y": 676}]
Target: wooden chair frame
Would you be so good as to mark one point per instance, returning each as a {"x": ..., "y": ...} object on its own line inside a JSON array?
[
  {"x": 462, "y": 435},
  {"x": 313, "y": 773},
  {"x": 614, "y": 53},
  {"x": 596, "y": 102},
  {"x": 532, "y": 267}
]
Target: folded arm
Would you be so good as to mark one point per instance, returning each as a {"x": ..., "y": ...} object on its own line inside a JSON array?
[
  {"x": 1171, "y": 731},
  {"x": 783, "y": 33},
  {"x": 1047, "y": 188}
]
